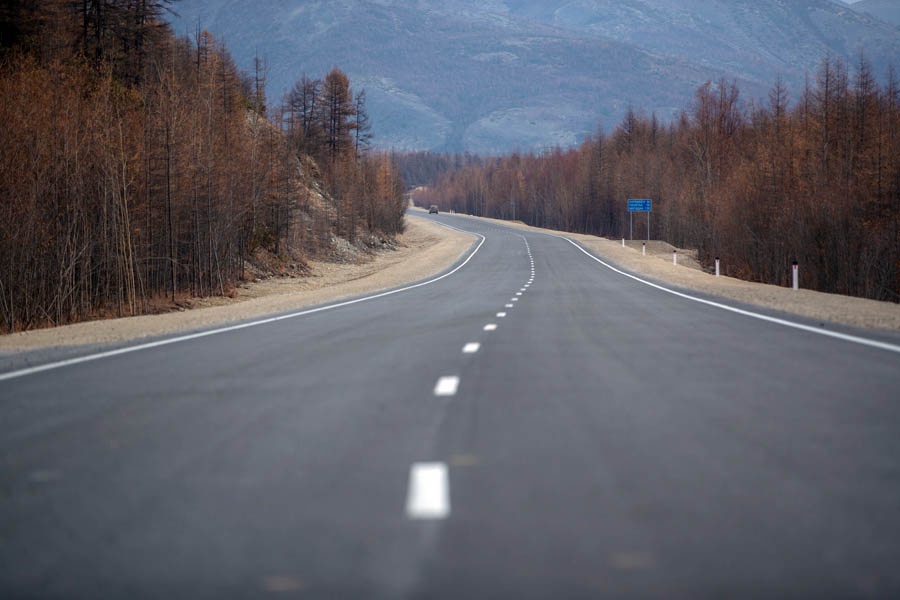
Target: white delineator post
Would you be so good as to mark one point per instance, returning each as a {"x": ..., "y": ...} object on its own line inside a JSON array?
[
  {"x": 674, "y": 257},
  {"x": 644, "y": 249},
  {"x": 623, "y": 242},
  {"x": 796, "y": 271},
  {"x": 717, "y": 266}
]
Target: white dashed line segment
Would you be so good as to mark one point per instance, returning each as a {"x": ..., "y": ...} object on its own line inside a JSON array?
[
  {"x": 446, "y": 386},
  {"x": 428, "y": 496},
  {"x": 471, "y": 348},
  {"x": 490, "y": 327}
]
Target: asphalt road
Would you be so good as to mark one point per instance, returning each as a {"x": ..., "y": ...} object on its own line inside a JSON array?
[{"x": 603, "y": 439}]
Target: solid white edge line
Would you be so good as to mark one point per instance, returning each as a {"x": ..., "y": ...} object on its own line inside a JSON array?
[
  {"x": 202, "y": 334},
  {"x": 428, "y": 494},
  {"x": 832, "y": 334}
]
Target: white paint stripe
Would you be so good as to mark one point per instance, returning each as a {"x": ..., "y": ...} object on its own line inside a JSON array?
[
  {"x": 518, "y": 293},
  {"x": 490, "y": 327},
  {"x": 513, "y": 299},
  {"x": 446, "y": 386},
  {"x": 832, "y": 334},
  {"x": 471, "y": 348},
  {"x": 202, "y": 334},
  {"x": 508, "y": 305},
  {"x": 500, "y": 315},
  {"x": 428, "y": 495}
]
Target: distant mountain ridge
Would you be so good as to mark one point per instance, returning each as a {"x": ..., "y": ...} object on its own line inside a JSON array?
[
  {"x": 886, "y": 10},
  {"x": 497, "y": 75}
]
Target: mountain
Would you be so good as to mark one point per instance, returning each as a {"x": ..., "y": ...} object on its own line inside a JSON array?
[
  {"x": 496, "y": 75},
  {"x": 886, "y": 10}
]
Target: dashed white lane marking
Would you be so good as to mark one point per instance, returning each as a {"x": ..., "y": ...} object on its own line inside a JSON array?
[
  {"x": 428, "y": 495},
  {"x": 513, "y": 299},
  {"x": 518, "y": 293},
  {"x": 523, "y": 289},
  {"x": 471, "y": 348},
  {"x": 490, "y": 327},
  {"x": 508, "y": 305},
  {"x": 500, "y": 315},
  {"x": 446, "y": 386}
]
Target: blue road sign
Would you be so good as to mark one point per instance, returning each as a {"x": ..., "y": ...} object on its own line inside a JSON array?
[{"x": 639, "y": 205}]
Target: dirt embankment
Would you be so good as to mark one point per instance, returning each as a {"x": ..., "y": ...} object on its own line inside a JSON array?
[
  {"x": 424, "y": 249},
  {"x": 427, "y": 248}
]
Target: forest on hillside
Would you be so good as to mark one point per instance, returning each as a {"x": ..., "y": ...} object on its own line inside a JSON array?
[
  {"x": 759, "y": 184},
  {"x": 138, "y": 168}
]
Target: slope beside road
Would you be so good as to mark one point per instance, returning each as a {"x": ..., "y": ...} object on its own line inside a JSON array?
[{"x": 424, "y": 249}]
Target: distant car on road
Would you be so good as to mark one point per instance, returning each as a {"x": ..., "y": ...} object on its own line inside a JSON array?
[{"x": 432, "y": 210}]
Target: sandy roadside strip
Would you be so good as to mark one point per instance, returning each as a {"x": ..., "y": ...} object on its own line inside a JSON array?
[
  {"x": 657, "y": 265},
  {"x": 424, "y": 249}
]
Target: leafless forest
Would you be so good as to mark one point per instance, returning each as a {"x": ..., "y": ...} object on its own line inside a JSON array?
[
  {"x": 137, "y": 168},
  {"x": 759, "y": 184}
]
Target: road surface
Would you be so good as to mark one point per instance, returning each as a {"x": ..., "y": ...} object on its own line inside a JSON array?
[{"x": 532, "y": 424}]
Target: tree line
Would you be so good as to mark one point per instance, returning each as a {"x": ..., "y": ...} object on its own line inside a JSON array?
[
  {"x": 138, "y": 168},
  {"x": 759, "y": 184}
]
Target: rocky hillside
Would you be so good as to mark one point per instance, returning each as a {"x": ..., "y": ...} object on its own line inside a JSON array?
[{"x": 886, "y": 10}]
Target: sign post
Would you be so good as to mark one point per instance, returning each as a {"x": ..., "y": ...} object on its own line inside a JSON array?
[{"x": 639, "y": 205}]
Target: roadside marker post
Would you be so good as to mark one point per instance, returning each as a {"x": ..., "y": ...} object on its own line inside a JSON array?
[
  {"x": 674, "y": 257},
  {"x": 796, "y": 276},
  {"x": 644, "y": 249},
  {"x": 717, "y": 266}
]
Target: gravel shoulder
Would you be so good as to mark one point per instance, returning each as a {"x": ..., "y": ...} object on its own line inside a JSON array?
[
  {"x": 423, "y": 250},
  {"x": 427, "y": 248}
]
